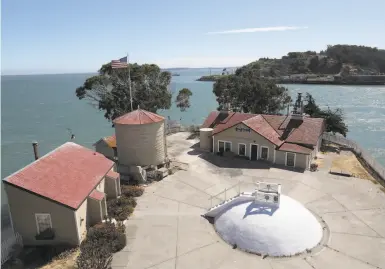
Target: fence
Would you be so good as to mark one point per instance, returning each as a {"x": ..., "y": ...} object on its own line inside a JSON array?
[
  {"x": 225, "y": 194},
  {"x": 8, "y": 246},
  {"x": 371, "y": 162},
  {"x": 179, "y": 128},
  {"x": 239, "y": 188}
]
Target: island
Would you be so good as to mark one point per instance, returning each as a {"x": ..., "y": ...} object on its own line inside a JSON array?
[
  {"x": 210, "y": 77},
  {"x": 338, "y": 64}
]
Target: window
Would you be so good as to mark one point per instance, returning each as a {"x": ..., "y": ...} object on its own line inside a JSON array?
[
  {"x": 227, "y": 146},
  {"x": 224, "y": 146},
  {"x": 43, "y": 222},
  {"x": 242, "y": 149},
  {"x": 290, "y": 159},
  {"x": 264, "y": 153}
]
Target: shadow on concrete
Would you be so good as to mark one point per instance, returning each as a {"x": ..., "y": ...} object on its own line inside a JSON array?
[
  {"x": 241, "y": 163},
  {"x": 292, "y": 169},
  {"x": 233, "y": 162},
  {"x": 256, "y": 209},
  {"x": 196, "y": 150}
]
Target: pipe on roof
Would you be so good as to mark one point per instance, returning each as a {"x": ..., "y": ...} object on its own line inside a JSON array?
[{"x": 34, "y": 145}]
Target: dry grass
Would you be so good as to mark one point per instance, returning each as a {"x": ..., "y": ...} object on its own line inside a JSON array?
[
  {"x": 349, "y": 163},
  {"x": 64, "y": 261}
]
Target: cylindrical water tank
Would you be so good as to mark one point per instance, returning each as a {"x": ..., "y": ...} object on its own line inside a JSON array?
[
  {"x": 140, "y": 138},
  {"x": 206, "y": 141}
]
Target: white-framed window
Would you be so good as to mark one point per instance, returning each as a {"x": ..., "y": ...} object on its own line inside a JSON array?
[
  {"x": 264, "y": 153},
  {"x": 290, "y": 159},
  {"x": 224, "y": 146},
  {"x": 43, "y": 222},
  {"x": 241, "y": 149}
]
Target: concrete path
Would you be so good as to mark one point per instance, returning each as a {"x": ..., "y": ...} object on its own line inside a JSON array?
[{"x": 167, "y": 230}]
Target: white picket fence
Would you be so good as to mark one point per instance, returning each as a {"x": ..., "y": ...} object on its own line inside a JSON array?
[
  {"x": 340, "y": 140},
  {"x": 8, "y": 245}
]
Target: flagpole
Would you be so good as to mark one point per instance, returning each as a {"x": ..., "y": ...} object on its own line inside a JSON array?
[{"x": 129, "y": 80}]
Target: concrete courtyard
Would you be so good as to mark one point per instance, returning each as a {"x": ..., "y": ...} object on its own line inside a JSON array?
[{"x": 167, "y": 231}]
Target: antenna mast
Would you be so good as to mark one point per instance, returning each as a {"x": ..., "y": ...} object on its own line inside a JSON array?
[{"x": 129, "y": 79}]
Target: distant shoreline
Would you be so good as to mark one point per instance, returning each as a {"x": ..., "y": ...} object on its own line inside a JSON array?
[
  {"x": 214, "y": 78},
  {"x": 352, "y": 83}
]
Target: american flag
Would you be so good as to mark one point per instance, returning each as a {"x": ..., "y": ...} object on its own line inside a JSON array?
[{"x": 121, "y": 63}]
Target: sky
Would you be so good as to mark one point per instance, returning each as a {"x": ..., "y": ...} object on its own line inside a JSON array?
[{"x": 72, "y": 36}]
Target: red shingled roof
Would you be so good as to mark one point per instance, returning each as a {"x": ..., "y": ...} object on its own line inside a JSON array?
[
  {"x": 97, "y": 195},
  {"x": 295, "y": 148},
  {"x": 262, "y": 127},
  {"x": 225, "y": 121},
  {"x": 138, "y": 116},
  {"x": 275, "y": 128},
  {"x": 66, "y": 175},
  {"x": 307, "y": 132}
]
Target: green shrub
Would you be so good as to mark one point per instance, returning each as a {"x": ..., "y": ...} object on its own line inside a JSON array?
[
  {"x": 94, "y": 254},
  {"x": 121, "y": 208},
  {"x": 132, "y": 191},
  {"x": 115, "y": 235},
  {"x": 102, "y": 240}
]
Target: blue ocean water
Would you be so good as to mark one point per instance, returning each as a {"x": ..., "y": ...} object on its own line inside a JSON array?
[{"x": 43, "y": 107}]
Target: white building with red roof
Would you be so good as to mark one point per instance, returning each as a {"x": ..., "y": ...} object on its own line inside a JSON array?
[
  {"x": 57, "y": 197},
  {"x": 107, "y": 147},
  {"x": 292, "y": 140}
]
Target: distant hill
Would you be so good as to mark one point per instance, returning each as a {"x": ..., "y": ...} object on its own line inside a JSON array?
[{"x": 337, "y": 59}]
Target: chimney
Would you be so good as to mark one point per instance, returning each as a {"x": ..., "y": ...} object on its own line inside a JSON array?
[{"x": 34, "y": 145}]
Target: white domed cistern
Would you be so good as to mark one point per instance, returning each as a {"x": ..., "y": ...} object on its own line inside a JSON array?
[{"x": 265, "y": 222}]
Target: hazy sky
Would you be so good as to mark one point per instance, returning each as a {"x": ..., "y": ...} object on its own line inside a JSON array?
[{"x": 64, "y": 36}]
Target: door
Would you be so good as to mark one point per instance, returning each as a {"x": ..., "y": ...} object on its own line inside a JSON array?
[
  {"x": 290, "y": 159},
  {"x": 254, "y": 152},
  {"x": 221, "y": 146}
]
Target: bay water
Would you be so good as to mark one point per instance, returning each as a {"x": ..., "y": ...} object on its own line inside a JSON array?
[{"x": 44, "y": 108}]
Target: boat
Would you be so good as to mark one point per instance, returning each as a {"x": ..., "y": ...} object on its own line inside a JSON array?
[{"x": 175, "y": 75}]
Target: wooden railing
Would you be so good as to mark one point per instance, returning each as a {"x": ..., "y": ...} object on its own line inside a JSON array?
[{"x": 359, "y": 151}]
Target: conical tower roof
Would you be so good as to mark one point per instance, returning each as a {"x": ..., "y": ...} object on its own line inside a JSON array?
[{"x": 138, "y": 116}]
